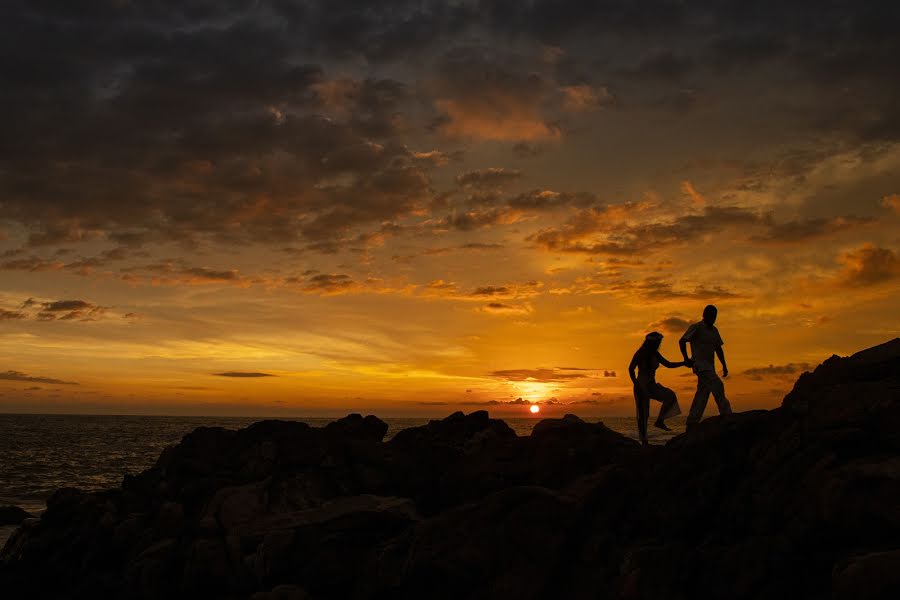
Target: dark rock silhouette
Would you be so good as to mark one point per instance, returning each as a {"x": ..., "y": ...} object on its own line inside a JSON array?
[
  {"x": 798, "y": 502},
  {"x": 13, "y": 515}
]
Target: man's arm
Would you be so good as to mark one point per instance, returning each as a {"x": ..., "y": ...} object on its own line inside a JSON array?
[
  {"x": 721, "y": 354},
  {"x": 688, "y": 361},
  {"x": 682, "y": 344}
]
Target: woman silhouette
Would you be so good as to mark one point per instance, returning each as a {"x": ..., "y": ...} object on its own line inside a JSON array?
[{"x": 647, "y": 359}]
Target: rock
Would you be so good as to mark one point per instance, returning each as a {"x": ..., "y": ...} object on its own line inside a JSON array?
[
  {"x": 503, "y": 547},
  {"x": 283, "y": 592},
  {"x": 207, "y": 567},
  {"x": 796, "y": 502},
  {"x": 355, "y": 426},
  {"x": 868, "y": 577},
  {"x": 13, "y": 515},
  {"x": 849, "y": 390},
  {"x": 169, "y": 520}
]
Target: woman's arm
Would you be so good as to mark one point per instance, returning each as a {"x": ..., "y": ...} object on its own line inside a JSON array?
[
  {"x": 667, "y": 364},
  {"x": 633, "y": 366}
]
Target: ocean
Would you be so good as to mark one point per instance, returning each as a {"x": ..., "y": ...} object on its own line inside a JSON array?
[{"x": 40, "y": 453}]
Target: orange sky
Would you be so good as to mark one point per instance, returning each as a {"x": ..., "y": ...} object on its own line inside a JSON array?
[{"x": 262, "y": 227}]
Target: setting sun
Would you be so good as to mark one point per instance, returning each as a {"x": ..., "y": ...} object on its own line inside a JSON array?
[{"x": 535, "y": 408}]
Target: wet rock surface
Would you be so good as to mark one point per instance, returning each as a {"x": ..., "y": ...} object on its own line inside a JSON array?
[{"x": 798, "y": 502}]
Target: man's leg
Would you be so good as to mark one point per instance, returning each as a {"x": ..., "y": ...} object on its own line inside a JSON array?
[
  {"x": 701, "y": 397},
  {"x": 718, "y": 391}
]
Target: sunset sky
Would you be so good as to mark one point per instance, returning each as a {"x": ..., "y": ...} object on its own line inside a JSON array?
[{"x": 409, "y": 208}]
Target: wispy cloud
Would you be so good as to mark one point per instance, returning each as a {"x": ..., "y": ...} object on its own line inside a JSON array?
[
  {"x": 240, "y": 374},
  {"x": 543, "y": 375},
  {"x": 20, "y": 376}
]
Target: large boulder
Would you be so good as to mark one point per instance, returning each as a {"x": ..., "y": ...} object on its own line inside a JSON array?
[
  {"x": 844, "y": 391},
  {"x": 13, "y": 515},
  {"x": 505, "y": 546}
]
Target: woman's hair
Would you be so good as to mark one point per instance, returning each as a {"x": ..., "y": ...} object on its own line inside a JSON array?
[
  {"x": 650, "y": 346},
  {"x": 652, "y": 340}
]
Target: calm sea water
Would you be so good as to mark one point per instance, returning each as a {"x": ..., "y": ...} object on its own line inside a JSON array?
[{"x": 40, "y": 453}]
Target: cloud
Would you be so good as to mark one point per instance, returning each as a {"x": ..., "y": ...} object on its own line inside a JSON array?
[
  {"x": 506, "y": 310},
  {"x": 629, "y": 229},
  {"x": 469, "y": 220},
  {"x": 543, "y": 200},
  {"x": 65, "y": 310},
  {"x": 663, "y": 65},
  {"x": 592, "y": 402},
  {"x": 543, "y": 375},
  {"x": 614, "y": 229},
  {"x": 649, "y": 289},
  {"x": 493, "y": 177},
  {"x": 584, "y": 97},
  {"x": 33, "y": 264},
  {"x": 19, "y": 376},
  {"x": 330, "y": 283},
  {"x": 779, "y": 371},
  {"x": 869, "y": 265},
  {"x": 11, "y": 315},
  {"x": 609, "y": 374},
  {"x": 670, "y": 324},
  {"x": 67, "y": 305},
  {"x": 687, "y": 188},
  {"x": 480, "y": 95},
  {"x": 517, "y": 402},
  {"x": 794, "y": 232},
  {"x": 204, "y": 274},
  {"x": 242, "y": 374},
  {"x": 892, "y": 202}
]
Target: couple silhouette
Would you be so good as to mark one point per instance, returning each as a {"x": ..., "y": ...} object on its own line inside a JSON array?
[{"x": 706, "y": 344}]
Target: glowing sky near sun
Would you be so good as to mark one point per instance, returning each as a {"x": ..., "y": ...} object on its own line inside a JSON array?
[{"x": 297, "y": 208}]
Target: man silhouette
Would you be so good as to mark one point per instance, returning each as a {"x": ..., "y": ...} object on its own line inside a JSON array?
[{"x": 706, "y": 344}]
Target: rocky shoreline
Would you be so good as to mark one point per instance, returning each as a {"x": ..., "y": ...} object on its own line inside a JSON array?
[{"x": 798, "y": 502}]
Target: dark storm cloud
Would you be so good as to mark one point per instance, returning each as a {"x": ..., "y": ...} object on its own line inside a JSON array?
[
  {"x": 19, "y": 376},
  {"x": 488, "y": 178},
  {"x": 481, "y": 93},
  {"x": 144, "y": 126},
  {"x": 664, "y": 65},
  {"x": 155, "y": 121}
]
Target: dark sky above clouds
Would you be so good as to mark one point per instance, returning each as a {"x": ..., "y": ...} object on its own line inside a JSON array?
[{"x": 408, "y": 198}]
